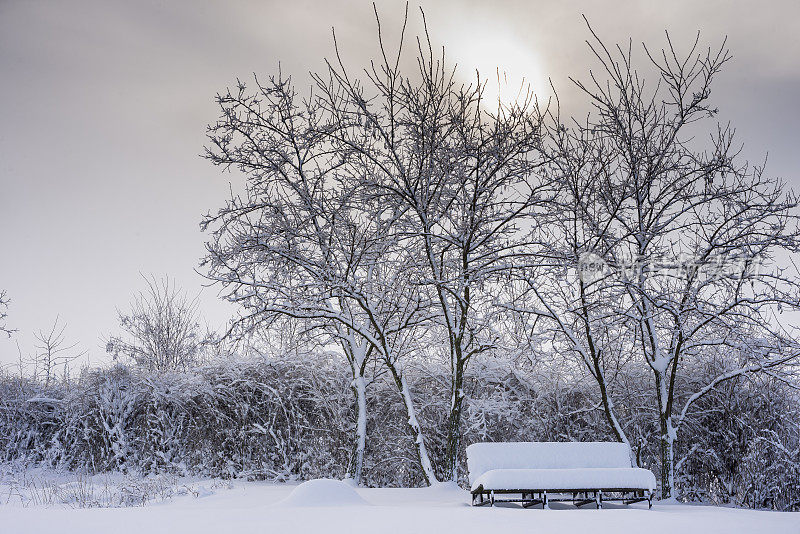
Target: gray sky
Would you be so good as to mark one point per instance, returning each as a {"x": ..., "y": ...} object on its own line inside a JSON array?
[{"x": 103, "y": 108}]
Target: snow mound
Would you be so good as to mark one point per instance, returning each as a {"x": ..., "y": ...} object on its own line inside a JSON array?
[{"x": 324, "y": 492}]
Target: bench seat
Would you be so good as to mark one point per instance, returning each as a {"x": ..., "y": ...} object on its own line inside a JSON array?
[{"x": 566, "y": 480}]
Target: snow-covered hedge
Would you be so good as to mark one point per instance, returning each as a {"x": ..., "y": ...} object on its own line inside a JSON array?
[
  {"x": 262, "y": 419},
  {"x": 293, "y": 418}
]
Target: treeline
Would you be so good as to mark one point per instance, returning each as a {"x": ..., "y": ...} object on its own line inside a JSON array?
[
  {"x": 291, "y": 418},
  {"x": 396, "y": 215}
]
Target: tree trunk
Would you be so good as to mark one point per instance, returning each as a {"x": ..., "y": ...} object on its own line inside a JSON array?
[
  {"x": 414, "y": 428},
  {"x": 356, "y": 468},
  {"x": 666, "y": 440},
  {"x": 416, "y": 432},
  {"x": 454, "y": 423},
  {"x": 667, "y": 457}
]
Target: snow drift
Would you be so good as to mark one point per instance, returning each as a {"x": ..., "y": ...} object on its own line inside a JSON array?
[{"x": 324, "y": 492}]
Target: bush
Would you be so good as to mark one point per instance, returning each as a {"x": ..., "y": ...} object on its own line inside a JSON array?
[{"x": 292, "y": 418}]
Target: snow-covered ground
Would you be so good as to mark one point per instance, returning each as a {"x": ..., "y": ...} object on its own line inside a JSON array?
[{"x": 216, "y": 507}]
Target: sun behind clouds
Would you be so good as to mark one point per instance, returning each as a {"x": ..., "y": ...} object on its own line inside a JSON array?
[{"x": 507, "y": 66}]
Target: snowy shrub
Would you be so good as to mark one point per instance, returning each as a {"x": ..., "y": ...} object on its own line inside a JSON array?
[
  {"x": 293, "y": 418},
  {"x": 744, "y": 447}
]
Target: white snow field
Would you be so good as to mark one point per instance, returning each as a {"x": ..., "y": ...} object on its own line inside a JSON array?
[{"x": 333, "y": 507}]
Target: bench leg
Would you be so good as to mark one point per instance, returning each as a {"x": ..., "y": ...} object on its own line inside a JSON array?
[
  {"x": 491, "y": 499},
  {"x": 483, "y": 500},
  {"x": 480, "y": 499},
  {"x": 532, "y": 501},
  {"x": 598, "y": 499},
  {"x": 544, "y": 501},
  {"x": 639, "y": 496}
]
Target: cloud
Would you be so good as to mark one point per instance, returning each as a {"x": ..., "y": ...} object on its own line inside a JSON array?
[{"x": 104, "y": 107}]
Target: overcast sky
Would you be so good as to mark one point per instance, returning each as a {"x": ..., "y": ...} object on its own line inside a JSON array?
[{"x": 103, "y": 108}]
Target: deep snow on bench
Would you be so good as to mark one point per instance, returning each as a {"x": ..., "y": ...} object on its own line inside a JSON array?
[
  {"x": 567, "y": 479},
  {"x": 482, "y": 457},
  {"x": 531, "y": 467}
]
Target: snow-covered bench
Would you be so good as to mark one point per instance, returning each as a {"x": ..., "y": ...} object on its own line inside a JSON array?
[{"x": 588, "y": 472}]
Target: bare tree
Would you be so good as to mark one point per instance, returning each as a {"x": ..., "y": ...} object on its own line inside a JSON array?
[
  {"x": 304, "y": 242},
  {"x": 161, "y": 330},
  {"x": 396, "y": 201},
  {"x": 4, "y": 314},
  {"x": 462, "y": 176},
  {"x": 52, "y": 354},
  {"x": 693, "y": 232}
]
